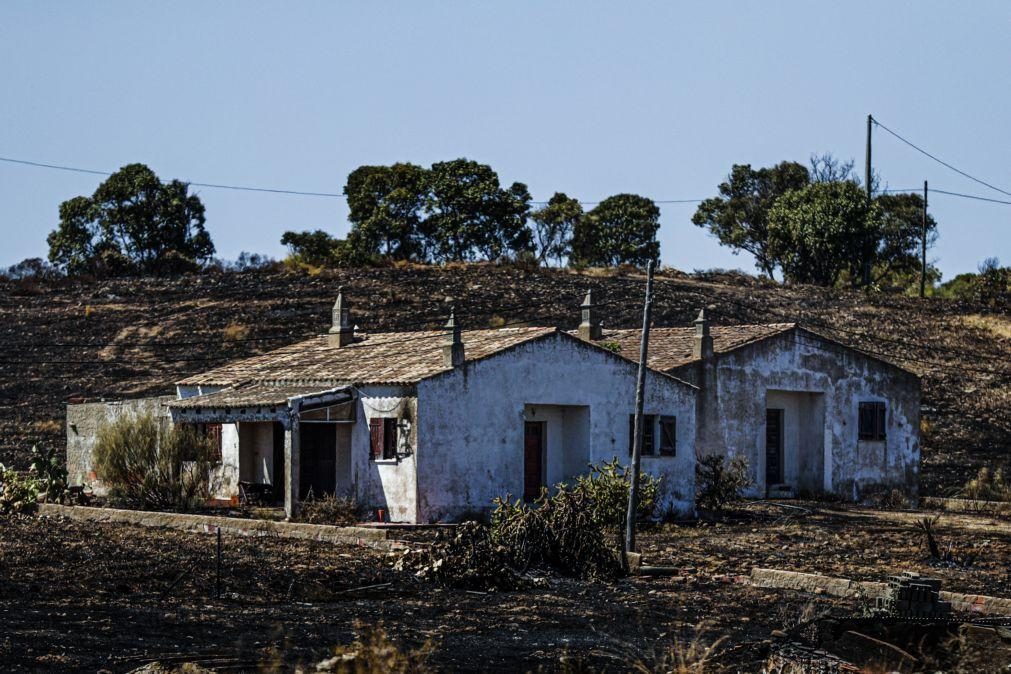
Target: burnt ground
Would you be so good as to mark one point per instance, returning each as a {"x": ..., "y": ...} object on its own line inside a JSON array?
[
  {"x": 79, "y": 597},
  {"x": 133, "y": 337}
]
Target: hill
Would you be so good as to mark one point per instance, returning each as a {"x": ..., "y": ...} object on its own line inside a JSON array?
[{"x": 133, "y": 337}]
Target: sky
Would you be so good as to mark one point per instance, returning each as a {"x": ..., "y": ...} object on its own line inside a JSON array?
[{"x": 589, "y": 98}]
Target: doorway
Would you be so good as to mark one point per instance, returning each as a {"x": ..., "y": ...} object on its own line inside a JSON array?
[
  {"x": 533, "y": 459},
  {"x": 319, "y": 459},
  {"x": 277, "y": 467},
  {"x": 773, "y": 447}
]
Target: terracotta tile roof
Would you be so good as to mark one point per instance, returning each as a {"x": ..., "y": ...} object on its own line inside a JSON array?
[
  {"x": 380, "y": 358},
  {"x": 672, "y": 347},
  {"x": 247, "y": 395}
]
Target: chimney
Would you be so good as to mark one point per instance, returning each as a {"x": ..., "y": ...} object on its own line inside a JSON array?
[
  {"x": 342, "y": 332},
  {"x": 703, "y": 345},
  {"x": 589, "y": 328},
  {"x": 452, "y": 346}
]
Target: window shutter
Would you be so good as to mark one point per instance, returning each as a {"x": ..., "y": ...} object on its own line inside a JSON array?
[
  {"x": 376, "y": 431},
  {"x": 880, "y": 419},
  {"x": 631, "y": 433},
  {"x": 668, "y": 436}
]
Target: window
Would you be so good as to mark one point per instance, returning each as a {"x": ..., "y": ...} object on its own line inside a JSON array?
[
  {"x": 649, "y": 423},
  {"x": 871, "y": 424},
  {"x": 668, "y": 436},
  {"x": 208, "y": 432},
  {"x": 383, "y": 438}
]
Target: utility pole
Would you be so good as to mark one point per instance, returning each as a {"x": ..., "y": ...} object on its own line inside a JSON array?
[
  {"x": 923, "y": 245},
  {"x": 867, "y": 183},
  {"x": 640, "y": 394}
]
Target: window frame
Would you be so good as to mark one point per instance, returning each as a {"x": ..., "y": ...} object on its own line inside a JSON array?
[
  {"x": 383, "y": 438},
  {"x": 649, "y": 444},
  {"x": 872, "y": 421}
]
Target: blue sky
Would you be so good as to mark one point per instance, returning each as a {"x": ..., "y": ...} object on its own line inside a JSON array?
[{"x": 589, "y": 98}]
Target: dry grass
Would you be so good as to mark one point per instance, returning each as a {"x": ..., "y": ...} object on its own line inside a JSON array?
[
  {"x": 234, "y": 332},
  {"x": 998, "y": 326},
  {"x": 47, "y": 426}
]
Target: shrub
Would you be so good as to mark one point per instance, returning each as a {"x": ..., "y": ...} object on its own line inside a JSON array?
[
  {"x": 144, "y": 470},
  {"x": 465, "y": 557},
  {"x": 718, "y": 482},
  {"x": 18, "y": 494},
  {"x": 330, "y": 509},
  {"x": 50, "y": 474},
  {"x": 987, "y": 486},
  {"x": 560, "y": 531},
  {"x": 375, "y": 653},
  {"x": 606, "y": 486}
]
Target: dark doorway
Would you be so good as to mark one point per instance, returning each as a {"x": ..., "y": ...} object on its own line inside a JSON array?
[
  {"x": 277, "y": 473},
  {"x": 773, "y": 446},
  {"x": 319, "y": 459},
  {"x": 533, "y": 459}
]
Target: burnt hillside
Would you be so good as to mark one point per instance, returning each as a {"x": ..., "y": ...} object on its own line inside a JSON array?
[{"x": 132, "y": 337}]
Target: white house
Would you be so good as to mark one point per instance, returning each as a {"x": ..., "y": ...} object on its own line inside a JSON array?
[
  {"x": 433, "y": 425},
  {"x": 809, "y": 413}
]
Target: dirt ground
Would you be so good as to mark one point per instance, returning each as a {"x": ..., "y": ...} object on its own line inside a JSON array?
[{"x": 83, "y": 597}]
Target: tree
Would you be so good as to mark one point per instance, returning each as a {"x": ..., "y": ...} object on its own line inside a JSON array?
[
  {"x": 900, "y": 235},
  {"x": 386, "y": 211},
  {"x": 317, "y": 248},
  {"x": 471, "y": 216},
  {"x": 553, "y": 226},
  {"x": 818, "y": 232},
  {"x": 619, "y": 230},
  {"x": 739, "y": 216},
  {"x": 132, "y": 223}
]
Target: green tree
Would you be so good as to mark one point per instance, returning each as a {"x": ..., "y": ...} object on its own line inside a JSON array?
[
  {"x": 619, "y": 230},
  {"x": 738, "y": 217},
  {"x": 472, "y": 216},
  {"x": 900, "y": 235},
  {"x": 133, "y": 223},
  {"x": 386, "y": 211},
  {"x": 316, "y": 248},
  {"x": 819, "y": 232},
  {"x": 553, "y": 226}
]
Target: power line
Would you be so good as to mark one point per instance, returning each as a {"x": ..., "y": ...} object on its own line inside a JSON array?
[
  {"x": 968, "y": 196},
  {"x": 941, "y": 161},
  {"x": 273, "y": 190},
  {"x": 244, "y": 188}
]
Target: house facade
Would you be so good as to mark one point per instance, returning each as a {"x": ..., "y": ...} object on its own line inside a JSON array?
[
  {"x": 809, "y": 414},
  {"x": 432, "y": 425}
]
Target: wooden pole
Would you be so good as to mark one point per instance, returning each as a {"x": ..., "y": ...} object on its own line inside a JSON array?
[
  {"x": 640, "y": 394},
  {"x": 923, "y": 245},
  {"x": 867, "y": 181},
  {"x": 217, "y": 569}
]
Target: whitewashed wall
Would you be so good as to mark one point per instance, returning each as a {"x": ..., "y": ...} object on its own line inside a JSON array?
[
  {"x": 471, "y": 430},
  {"x": 733, "y": 421}
]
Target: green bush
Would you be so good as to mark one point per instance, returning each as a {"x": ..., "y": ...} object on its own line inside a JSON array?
[
  {"x": 718, "y": 482},
  {"x": 606, "y": 487},
  {"x": 18, "y": 494},
  {"x": 50, "y": 473},
  {"x": 144, "y": 468}
]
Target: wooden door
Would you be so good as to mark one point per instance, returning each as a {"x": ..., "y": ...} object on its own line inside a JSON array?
[
  {"x": 773, "y": 446},
  {"x": 318, "y": 459},
  {"x": 533, "y": 459}
]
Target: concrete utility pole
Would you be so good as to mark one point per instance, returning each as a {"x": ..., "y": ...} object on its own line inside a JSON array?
[
  {"x": 640, "y": 394},
  {"x": 867, "y": 183},
  {"x": 923, "y": 245}
]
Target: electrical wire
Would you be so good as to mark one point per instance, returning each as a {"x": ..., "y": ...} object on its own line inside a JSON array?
[{"x": 939, "y": 160}]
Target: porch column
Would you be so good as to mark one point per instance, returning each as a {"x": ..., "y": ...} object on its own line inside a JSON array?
[{"x": 292, "y": 454}]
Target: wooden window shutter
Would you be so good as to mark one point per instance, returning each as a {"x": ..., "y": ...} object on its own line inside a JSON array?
[
  {"x": 880, "y": 421},
  {"x": 668, "y": 436},
  {"x": 377, "y": 432}
]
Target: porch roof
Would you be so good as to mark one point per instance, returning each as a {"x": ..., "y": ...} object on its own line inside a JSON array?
[{"x": 253, "y": 395}]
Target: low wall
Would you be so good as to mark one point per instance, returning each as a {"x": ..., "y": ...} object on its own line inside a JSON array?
[
  {"x": 366, "y": 536},
  {"x": 843, "y": 587}
]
